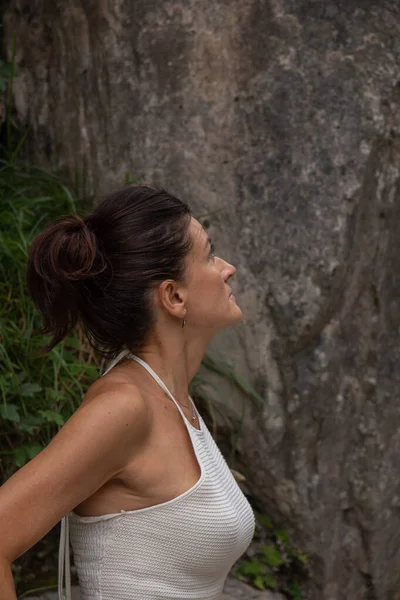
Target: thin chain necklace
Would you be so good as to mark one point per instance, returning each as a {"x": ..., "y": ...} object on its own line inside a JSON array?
[
  {"x": 193, "y": 409},
  {"x": 186, "y": 405}
]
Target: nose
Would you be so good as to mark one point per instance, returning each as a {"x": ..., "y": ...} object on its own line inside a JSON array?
[{"x": 228, "y": 270}]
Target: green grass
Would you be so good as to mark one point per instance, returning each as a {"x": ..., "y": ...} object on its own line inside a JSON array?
[{"x": 37, "y": 393}]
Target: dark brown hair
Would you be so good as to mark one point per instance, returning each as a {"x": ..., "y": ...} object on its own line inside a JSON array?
[{"x": 99, "y": 270}]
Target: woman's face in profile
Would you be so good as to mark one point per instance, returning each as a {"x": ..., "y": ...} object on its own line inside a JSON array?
[{"x": 210, "y": 304}]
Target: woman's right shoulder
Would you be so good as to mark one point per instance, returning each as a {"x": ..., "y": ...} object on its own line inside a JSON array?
[
  {"x": 117, "y": 392},
  {"x": 96, "y": 443}
]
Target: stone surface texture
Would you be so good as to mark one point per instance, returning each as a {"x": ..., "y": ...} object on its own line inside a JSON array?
[{"x": 281, "y": 118}]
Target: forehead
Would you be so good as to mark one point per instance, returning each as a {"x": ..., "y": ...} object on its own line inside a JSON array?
[{"x": 198, "y": 234}]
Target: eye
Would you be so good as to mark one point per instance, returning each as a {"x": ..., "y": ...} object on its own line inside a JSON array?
[{"x": 212, "y": 251}]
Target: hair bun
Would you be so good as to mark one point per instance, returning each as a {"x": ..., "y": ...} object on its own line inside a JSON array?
[
  {"x": 59, "y": 257},
  {"x": 68, "y": 251},
  {"x": 75, "y": 249}
]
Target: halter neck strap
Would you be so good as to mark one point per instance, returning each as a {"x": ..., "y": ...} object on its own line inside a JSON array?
[
  {"x": 164, "y": 387},
  {"x": 116, "y": 360}
]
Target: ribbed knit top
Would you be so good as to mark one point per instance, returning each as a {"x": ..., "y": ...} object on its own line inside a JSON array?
[{"x": 182, "y": 548}]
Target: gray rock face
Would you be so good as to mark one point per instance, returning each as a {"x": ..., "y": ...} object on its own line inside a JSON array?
[
  {"x": 285, "y": 115},
  {"x": 233, "y": 590}
]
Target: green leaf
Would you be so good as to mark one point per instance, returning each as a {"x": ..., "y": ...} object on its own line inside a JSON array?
[
  {"x": 258, "y": 582},
  {"x": 251, "y": 568},
  {"x": 30, "y": 423},
  {"x": 33, "y": 449},
  {"x": 53, "y": 395},
  {"x": 272, "y": 556},
  {"x": 303, "y": 558},
  {"x": 270, "y": 581},
  {"x": 29, "y": 389},
  {"x": 52, "y": 416},
  {"x": 282, "y": 535},
  {"x": 9, "y": 412},
  {"x": 295, "y": 591},
  {"x": 91, "y": 371},
  {"x": 72, "y": 342},
  {"x": 21, "y": 457},
  {"x": 265, "y": 521},
  {"x": 25, "y": 453},
  {"x": 69, "y": 357}
]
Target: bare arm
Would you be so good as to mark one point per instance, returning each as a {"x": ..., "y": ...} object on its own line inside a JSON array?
[
  {"x": 95, "y": 444},
  {"x": 7, "y": 589}
]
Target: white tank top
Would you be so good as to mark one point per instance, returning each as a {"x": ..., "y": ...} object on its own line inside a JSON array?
[{"x": 182, "y": 548}]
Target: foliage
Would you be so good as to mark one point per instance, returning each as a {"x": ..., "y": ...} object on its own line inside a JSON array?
[
  {"x": 37, "y": 393},
  {"x": 222, "y": 368},
  {"x": 273, "y": 563}
]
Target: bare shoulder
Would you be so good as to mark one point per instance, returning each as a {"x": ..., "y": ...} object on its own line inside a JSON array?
[
  {"x": 117, "y": 404},
  {"x": 105, "y": 433},
  {"x": 117, "y": 386}
]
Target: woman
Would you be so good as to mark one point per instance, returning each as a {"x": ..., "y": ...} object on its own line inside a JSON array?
[{"x": 152, "y": 508}]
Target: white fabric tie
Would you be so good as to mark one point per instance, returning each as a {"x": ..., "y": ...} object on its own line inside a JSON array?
[{"x": 64, "y": 562}]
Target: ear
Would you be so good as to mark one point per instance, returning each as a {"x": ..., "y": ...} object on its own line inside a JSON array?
[{"x": 172, "y": 297}]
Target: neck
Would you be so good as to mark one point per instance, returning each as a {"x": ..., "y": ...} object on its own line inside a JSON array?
[{"x": 175, "y": 358}]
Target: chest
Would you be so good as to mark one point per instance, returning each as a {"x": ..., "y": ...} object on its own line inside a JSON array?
[
  {"x": 166, "y": 467},
  {"x": 197, "y": 533}
]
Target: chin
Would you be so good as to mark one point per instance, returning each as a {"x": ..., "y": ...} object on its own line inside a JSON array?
[
  {"x": 239, "y": 316},
  {"x": 230, "y": 317},
  {"x": 236, "y": 315}
]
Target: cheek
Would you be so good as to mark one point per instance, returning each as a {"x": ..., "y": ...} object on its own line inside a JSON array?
[
  {"x": 207, "y": 289},
  {"x": 220, "y": 290},
  {"x": 205, "y": 294}
]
